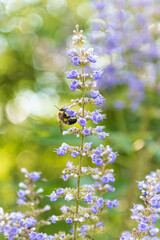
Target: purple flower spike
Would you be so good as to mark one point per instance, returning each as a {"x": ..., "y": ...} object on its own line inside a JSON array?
[
  {"x": 87, "y": 199},
  {"x": 146, "y": 222}
]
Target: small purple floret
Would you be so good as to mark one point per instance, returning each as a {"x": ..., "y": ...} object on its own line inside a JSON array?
[{"x": 72, "y": 74}]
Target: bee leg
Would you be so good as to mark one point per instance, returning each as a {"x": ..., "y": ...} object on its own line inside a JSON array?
[{"x": 61, "y": 127}]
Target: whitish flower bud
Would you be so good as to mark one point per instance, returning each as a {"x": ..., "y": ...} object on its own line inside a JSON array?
[
  {"x": 22, "y": 185},
  {"x": 46, "y": 208},
  {"x": 40, "y": 190}
]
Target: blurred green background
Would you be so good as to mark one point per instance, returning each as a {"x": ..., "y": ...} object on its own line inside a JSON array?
[{"x": 33, "y": 37}]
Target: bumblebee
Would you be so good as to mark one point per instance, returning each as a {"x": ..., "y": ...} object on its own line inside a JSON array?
[{"x": 64, "y": 118}]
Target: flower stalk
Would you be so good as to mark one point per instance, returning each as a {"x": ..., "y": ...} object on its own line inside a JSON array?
[
  {"x": 78, "y": 189},
  {"x": 146, "y": 214},
  {"x": 80, "y": 164},
  {"x": 25, "y": 224},
  {"x": 84, "y": 216}
]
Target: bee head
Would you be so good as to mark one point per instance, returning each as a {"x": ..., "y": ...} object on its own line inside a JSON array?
[{"x": 61, "y": 109}]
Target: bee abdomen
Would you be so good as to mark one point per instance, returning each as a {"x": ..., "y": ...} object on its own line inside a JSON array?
[
  {"x": 69, "y": 121},
  {"x": 72, "y": 121}
]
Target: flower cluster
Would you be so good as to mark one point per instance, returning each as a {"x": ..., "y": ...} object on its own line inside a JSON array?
[
  {"x": 85, "y": 215},
  {"x": 126, "y": 34},
  {"x": 23, "y": 225},
  {"x": 148, "y": 214}
]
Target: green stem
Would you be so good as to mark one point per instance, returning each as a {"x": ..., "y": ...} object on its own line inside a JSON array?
[
  {"x": 78, "y": 190},
  {"x": 80, "y": 167}
]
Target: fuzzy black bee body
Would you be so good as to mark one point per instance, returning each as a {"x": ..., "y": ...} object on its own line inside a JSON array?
[{"x": 64, "y": 118}]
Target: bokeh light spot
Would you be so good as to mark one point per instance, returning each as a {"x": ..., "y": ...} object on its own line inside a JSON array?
[
  {"x": 3, "y": 44},
  {"x": 56, "y": 7}
]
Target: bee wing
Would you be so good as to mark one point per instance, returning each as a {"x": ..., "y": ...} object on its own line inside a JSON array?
[{"x": 61, "y": 126}]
